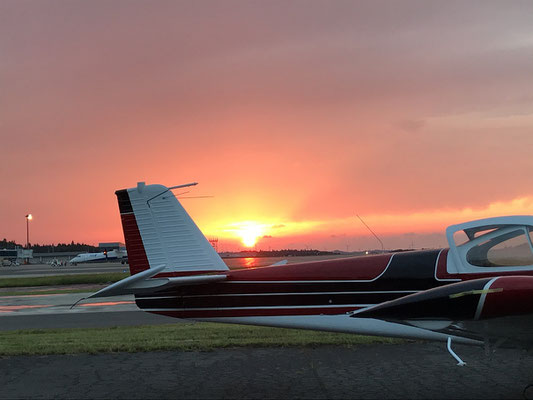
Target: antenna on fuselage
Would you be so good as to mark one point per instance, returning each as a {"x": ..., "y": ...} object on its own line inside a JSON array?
[{"x": 371, "y": 231}]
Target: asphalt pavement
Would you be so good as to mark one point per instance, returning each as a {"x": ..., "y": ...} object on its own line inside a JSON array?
[
  {"x": 411, "y": 370},
  {"x": 34, "y": 270},
  {"x": 55, "y": 311}
]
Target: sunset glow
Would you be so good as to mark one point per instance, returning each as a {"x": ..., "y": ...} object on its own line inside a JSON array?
[
  {"x": 248, "y": 232},
  {"x": 293, "y": 117}
]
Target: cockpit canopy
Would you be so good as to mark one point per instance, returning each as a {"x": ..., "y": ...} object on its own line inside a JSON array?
[{"x": 495, "y": 243}]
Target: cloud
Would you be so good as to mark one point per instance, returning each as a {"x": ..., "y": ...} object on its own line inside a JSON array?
[
  {"x": 303, "y": 110},
  {"x": 410, "y": 125}
]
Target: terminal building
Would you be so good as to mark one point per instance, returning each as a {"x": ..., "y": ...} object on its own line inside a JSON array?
[
  {"x": 15, "y": 256},
  {"x": 112, "y": 246}
]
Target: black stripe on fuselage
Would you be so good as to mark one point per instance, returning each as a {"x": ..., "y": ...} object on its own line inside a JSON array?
[
  {"x": 237, "y": 288},
  {"x": 413, "y": 269},
  {"x": 262, "y": 300}
]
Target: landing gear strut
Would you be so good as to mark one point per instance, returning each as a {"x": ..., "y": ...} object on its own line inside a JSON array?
[{"x": 459, "y": 361}]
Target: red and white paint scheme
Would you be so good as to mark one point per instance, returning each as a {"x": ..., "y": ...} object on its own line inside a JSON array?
[{"x": 478, "y": 290}]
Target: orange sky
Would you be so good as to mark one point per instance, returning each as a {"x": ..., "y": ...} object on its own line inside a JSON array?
[{"x": 294, "y": 115}]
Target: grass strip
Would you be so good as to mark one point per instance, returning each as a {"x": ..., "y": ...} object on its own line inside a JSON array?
[
  {"x": 179, "y": 336},
  {"x": 54, "y": 280}
]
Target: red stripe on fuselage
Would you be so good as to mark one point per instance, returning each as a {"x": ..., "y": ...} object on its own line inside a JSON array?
[{"x": 137, "y": 258}]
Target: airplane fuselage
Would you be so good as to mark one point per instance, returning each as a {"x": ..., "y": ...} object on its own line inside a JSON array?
[
  {"x": 100, "y": 257},
  {"x": 282, "y": 295}
]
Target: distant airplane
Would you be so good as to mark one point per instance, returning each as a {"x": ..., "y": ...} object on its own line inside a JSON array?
[
  {"x": 103, "y": 256},
  {"x": 478, "y": 291}
]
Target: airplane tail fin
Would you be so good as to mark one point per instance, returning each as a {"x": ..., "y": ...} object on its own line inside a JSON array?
[{"x": 159, "y": 232}]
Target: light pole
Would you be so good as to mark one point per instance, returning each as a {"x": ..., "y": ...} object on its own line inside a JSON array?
[{"x": 29, "y": 217}]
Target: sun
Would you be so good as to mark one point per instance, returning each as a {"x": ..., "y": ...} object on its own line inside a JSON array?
[{"x": 249, "y": 232}]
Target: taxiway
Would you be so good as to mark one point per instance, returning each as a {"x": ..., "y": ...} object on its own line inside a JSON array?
[
  {"x": 54, "y": 311},
  {"x": 33, "y": 270}
]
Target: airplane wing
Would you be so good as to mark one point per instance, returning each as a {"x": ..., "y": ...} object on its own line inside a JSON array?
[{"x": 496, "y": 309}]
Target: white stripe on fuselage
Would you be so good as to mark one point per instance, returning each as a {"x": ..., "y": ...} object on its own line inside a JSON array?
[
  {"x": 482, "y": 298},
  {"x": 259, "y": 307},
  {"x": 437, "y": 266}
]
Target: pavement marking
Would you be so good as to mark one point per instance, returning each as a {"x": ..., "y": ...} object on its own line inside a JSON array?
[
  {"x": 10, "y": 309},
  {"x": 106, "y": 303}
]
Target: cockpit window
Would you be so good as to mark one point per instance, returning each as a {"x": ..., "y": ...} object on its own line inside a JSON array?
[
  {"x": 460, "y": 238},
  {"x": 483, "y": 232},
  {"x": 512, "y": 247}
]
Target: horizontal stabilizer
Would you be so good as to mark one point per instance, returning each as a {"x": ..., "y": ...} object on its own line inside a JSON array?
[{"x": 143, "y": 283}]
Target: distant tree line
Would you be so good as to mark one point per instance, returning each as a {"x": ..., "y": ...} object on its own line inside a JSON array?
[
  {"x": 4, "y": 244},
  {"x": 50, "y": 248}
]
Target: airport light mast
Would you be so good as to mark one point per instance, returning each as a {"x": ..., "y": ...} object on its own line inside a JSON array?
[{"x": 29, "y": 217}]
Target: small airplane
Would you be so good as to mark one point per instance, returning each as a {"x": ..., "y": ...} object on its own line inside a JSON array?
[
  {"x": 478, "y": 291},
  {"x": 103, "y": 256}
]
